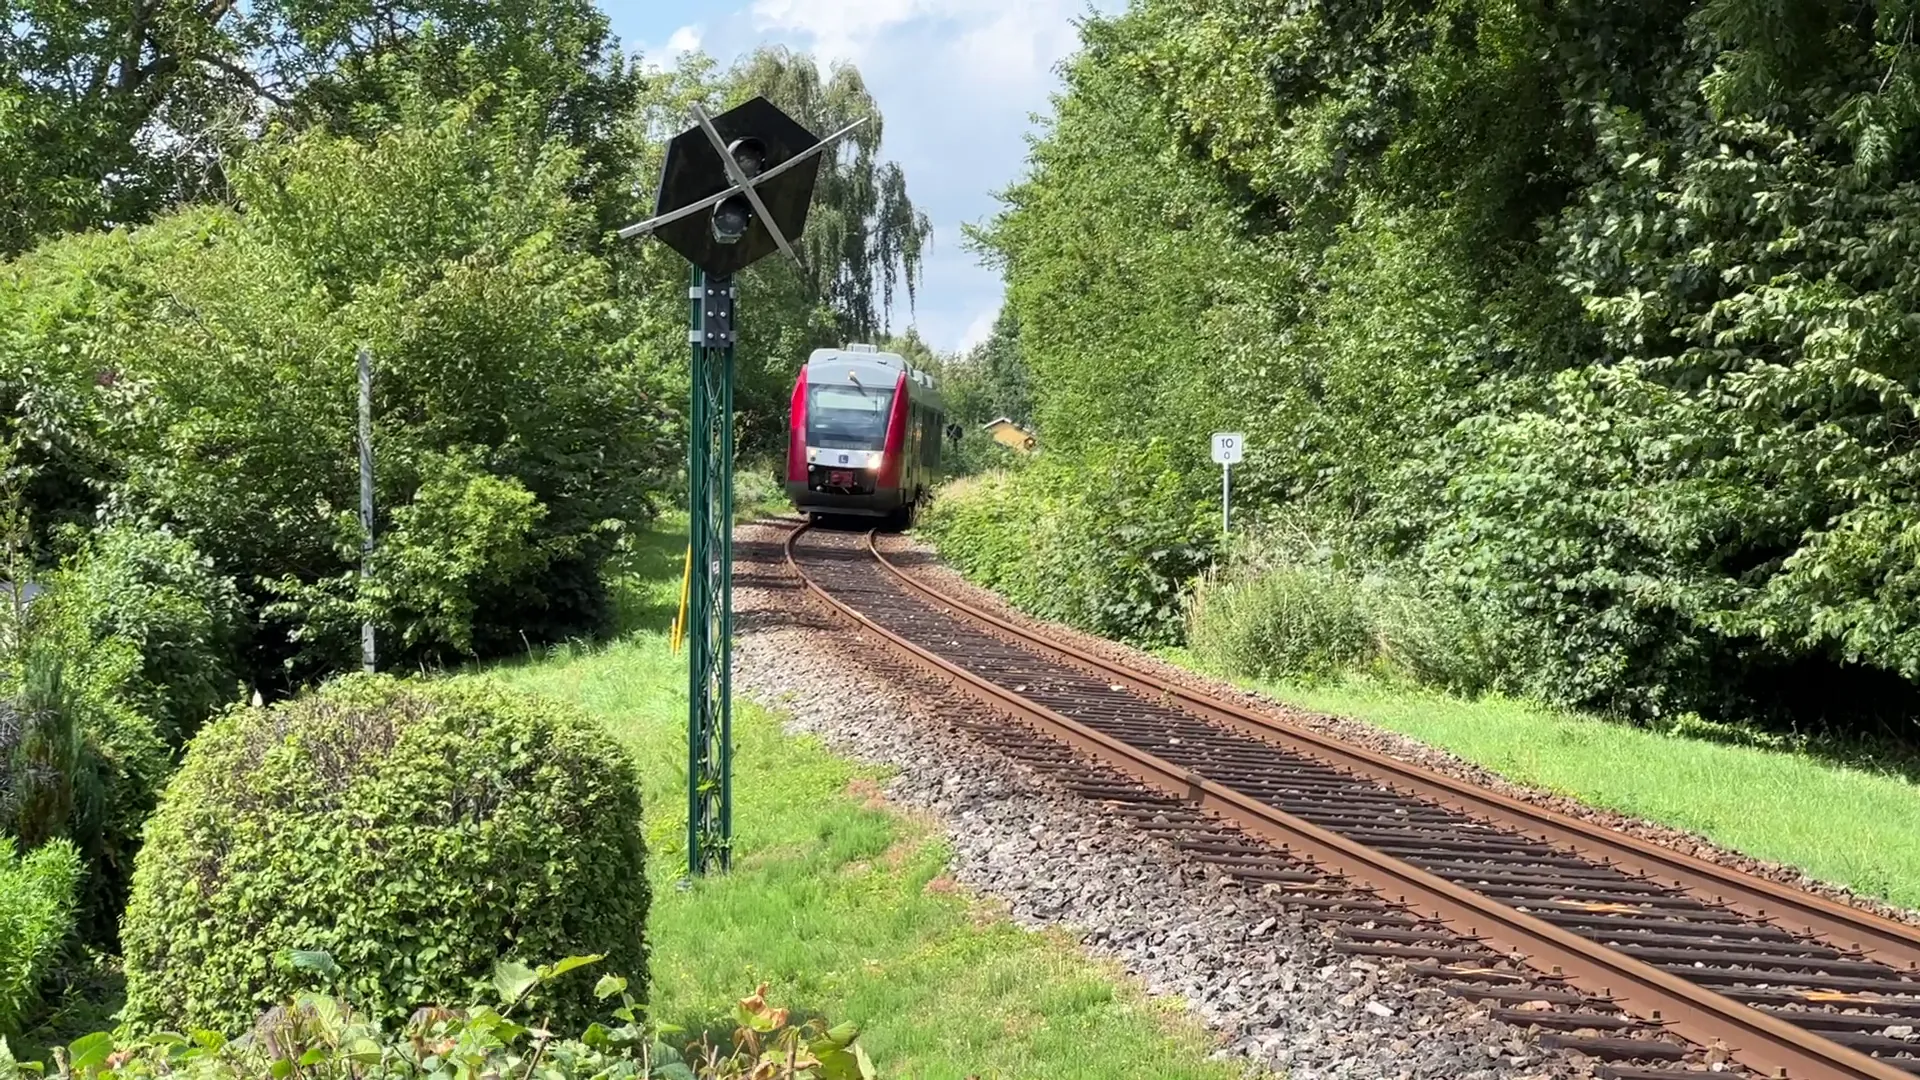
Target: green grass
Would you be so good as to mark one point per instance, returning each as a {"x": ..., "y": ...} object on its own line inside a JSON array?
[
  {"x": 838, "y": 902},
  {"x": 1838, "y": 822}
]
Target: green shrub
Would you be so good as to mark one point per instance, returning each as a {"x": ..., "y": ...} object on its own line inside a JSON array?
[
  {"x": 141, "y": 637},
  {"x": 38, "y": 894},
  {"x": 1303, "y": 600},
  {"x": 1109, "y": 543},
  {"x": 985, "y": 526},
  {"x": 82, "y": 762},
  {"x": 45, "y": 770},
  {"x": 153, "y": 592},
  {"x": 417, "y": 831},
  {"x": 319, "y": 1036},
  {"x": 1287, "y": 622}
]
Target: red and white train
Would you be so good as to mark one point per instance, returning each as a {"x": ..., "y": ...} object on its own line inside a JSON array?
[{"x": 864, "y": 436}]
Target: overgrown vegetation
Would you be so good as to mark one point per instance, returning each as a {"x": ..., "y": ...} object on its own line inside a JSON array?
[
  {"x": 327, "y": 1035},
  {"x": 1293, "y": 602},
  {"x": 1107, "y": 543},
  {"x": 38, "y": 897},
  {"x": 1593, "y": 320}
]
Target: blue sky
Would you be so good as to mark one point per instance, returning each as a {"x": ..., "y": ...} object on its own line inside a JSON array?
[{"x": 957, "y": 81}]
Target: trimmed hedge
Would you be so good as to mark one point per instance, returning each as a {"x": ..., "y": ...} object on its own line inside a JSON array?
[
  {"x": 420, "y": 832},
  {"x": 38, "y": 896}
]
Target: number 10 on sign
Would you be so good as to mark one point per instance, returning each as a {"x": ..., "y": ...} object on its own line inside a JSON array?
[{"x": 1227, "y": 449}]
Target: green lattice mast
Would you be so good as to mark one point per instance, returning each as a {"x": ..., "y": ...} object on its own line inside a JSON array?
[{"x": 752, "y": 170}]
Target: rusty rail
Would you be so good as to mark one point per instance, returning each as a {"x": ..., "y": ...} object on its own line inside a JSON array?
[
  {"x": 1891, "y": 942},
  {"x": 1757, "y": 1039}
]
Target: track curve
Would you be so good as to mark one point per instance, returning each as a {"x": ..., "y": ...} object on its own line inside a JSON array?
[{"x": 1764, "y": 975}]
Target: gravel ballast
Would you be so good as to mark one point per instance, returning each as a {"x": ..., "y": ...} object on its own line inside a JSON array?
[
  {"x": 923, "y": 562},
  {"x": 1261, "y": 976}
]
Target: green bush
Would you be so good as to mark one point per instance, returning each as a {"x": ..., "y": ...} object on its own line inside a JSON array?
[
  {"x": 150, "y": 590},
  {"x": 1302, "y": 599},
  {"x": 1287, "y": 622},
  {"x": 1109, "y": 544},
  {"x": 46, "y": 774},
  {"x": 985, "y": 526},
  {"x": 75, "y": 761},
  {"x": 418, "y": 831},
  {"x": 38, "y": 895},
  {"x": 89, "y": 715},
  {"x": 319, "y": 1036},
  {"x": 136, "y": 639}
]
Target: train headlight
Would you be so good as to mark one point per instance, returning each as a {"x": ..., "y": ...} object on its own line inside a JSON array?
[
  {"x": 813, "y": 456},
  {"x": 875, "y": 459}
]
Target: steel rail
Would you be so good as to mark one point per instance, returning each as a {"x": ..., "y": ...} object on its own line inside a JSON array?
[
  {"x": 1839, "y": 924},
  {"x": 1753, "y": 1038}
]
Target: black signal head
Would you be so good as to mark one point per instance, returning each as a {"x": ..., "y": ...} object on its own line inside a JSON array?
[{"x": 759, "y": 137}]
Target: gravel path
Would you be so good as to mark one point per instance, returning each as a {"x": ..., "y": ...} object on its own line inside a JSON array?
[
  {"x": 924, "y": 562},
  {"x": 1263, "y": 978}
]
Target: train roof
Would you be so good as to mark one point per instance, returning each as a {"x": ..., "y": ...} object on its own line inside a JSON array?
[{"x": 855, "y": 361}]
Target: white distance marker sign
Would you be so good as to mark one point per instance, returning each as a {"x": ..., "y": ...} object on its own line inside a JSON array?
[{"x": 1228, "y": 447}]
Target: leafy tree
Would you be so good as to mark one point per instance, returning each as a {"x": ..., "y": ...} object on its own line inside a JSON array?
[
  {"x": 201, "y": 371},
  {"x": 1597, "y": 316},
  {"x": 114, "y": 111}
]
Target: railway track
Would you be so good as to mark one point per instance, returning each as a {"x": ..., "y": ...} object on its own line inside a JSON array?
[{"x": 1654, "y": 962}]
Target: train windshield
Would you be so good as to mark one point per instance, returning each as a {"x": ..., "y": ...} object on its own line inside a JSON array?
[{"x": 847, "y": 417}]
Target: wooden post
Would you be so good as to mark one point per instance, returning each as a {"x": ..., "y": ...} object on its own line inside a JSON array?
[{"x": 366, "y": 496}]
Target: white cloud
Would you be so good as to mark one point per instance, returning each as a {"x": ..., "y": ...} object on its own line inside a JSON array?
[
  {"x": 1010, "y": 45},
  {"x": 980, "y": 328},
  {"x": 684, "y": 40},
  {"x": 681, "y": 42}
]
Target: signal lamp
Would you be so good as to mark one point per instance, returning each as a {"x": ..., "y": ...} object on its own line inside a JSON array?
[
  {"x": 730, "y": 220},
  {"x": 750, "y": 154}
]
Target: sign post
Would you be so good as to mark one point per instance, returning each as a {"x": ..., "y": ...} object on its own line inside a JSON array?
[
  {"x": 1228, "y": 447},
  {"x": 733, "y": 189}
]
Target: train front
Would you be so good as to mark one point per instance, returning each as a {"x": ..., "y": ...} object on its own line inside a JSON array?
[{"x": 846, "y": 427}]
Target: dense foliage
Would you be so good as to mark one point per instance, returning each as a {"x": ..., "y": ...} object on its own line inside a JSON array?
[
  {"x": 149, "y": 596},
  {"x": 1291, "y": 604},
  {"x": 1108, "y": 548},
  {"x": 418, "y": 832},
  {"x": 1597, "y": 317},
  {"x": 198, "y": 374},
  {"x": 37, "y": 902},
  {"x": 112, "y": 112},
  {"x": 326, "y": 1036},
  {"x": 123, "y": 653}
]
